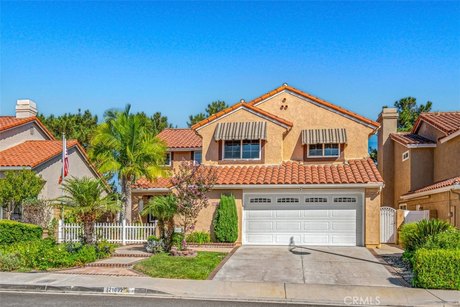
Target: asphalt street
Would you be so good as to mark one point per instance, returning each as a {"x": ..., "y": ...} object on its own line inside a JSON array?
[{"x": 8, "y": 299}]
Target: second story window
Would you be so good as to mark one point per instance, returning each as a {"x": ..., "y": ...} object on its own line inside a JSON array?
[
  {"x": 168, "y": 159},
  {"x": 196, "y": 156},
  {"x": 323, "y": 150},
  {"x": 242, "y": 150}
]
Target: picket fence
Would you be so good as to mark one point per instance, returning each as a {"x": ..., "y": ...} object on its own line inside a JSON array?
[{"x": 124, "y": 233}]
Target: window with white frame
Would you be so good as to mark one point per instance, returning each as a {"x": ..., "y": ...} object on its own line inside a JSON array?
[
  {"x": 405, "y": 155},
  {"x": 196, "y": 156},
  {"x": 242, "y": 150},
  {"x": 323, "y": 150},
  {"x": 168, "y": 159}
]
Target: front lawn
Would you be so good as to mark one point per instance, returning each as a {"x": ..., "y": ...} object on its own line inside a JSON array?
[{"x": 165, "y": 266}]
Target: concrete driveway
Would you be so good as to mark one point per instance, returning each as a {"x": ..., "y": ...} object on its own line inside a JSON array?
[{"x": 310, "y": 265}]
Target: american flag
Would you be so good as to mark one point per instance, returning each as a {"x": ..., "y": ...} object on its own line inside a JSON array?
[{"x": 65, "y": 160}]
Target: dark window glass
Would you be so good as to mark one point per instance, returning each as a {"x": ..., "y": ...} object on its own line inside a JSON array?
[
  {"x": 331, "y": 150},
  {"x": 232, "y": 150},
  {"x": 315, "y": 150},
  {"x": 251, "y": 149},
  {"x": 197, "y": 156},
  {"x": 168, "y": 159}
]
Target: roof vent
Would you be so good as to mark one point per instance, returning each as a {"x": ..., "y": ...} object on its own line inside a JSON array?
[
  {"x": 285, "y": 84},
  {"x": 25, "y": 108},
  {"x": 242, "y": 101}
]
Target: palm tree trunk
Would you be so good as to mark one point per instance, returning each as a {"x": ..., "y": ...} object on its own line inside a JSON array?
[
  {"x": 88, "y": 226},
  {"x": 126, "y": 194}
]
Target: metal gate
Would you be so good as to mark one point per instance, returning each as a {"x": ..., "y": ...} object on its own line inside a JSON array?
[{"x": 387, "y": 225}]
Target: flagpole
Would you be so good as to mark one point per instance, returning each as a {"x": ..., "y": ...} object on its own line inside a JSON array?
[{"x": 64, "y": 145}]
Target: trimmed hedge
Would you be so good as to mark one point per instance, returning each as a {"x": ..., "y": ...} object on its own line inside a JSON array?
[
  {"x": 12, "y": 232},
  {"x": 226, "y": 221},
  {"x": 437, "y": 269},
  {"x": 415, "y": 235},
  {"x": 199, "y": 237}
]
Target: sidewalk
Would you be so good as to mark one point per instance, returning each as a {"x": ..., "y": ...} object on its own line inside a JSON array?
[{"x": 246, "y": 291}]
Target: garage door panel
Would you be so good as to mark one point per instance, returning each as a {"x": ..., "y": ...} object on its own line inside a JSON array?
[
  {"x": 304, "y": 223},
  {"x": 260, "y": 226},
  {"x": 316, "y": 226},
  {"x": 259, "y": 214},
  {"x": 288, "y": 226},
  {"x": 288, "y": 213},
  {"x": 315, "y": 213}
]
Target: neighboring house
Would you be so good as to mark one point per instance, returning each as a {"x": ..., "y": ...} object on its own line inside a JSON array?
[
  {"x": 25, "y": 143},
  {"x": 421, "y": 168},
  {"x": 297, "y": 165}
]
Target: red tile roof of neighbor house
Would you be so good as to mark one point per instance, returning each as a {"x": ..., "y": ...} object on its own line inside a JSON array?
[
  {"x": 8, "y": 122},
  {"x": 355, "y": 171},
  {"x": 447, "y": 122},
  {"x": 180, "y": 138},
  {"x": 33, "y": 153},
  {"x": 242, "y": 105},
  {"x": 437, "y": 185},
  {"x": 315, "y": 99},
  {"x": 410, "y": 139}
]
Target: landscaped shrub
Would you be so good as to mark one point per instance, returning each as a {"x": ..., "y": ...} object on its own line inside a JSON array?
[
  {"x": 226, "y": 221},
  {"x": 437, "y": 269},
  {"x": 177, "y": 239},
  {"x": 46, "y": 254},
  {"x": 200, "y": 237},
  {"x": 154, "y": 245},
  {"x": 12, "y": 232},
  {"x": 444, "y": 240},
  {"x": 415, "y": 235}
]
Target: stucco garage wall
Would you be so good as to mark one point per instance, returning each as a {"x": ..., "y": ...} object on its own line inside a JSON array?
[{"x": 372, "y": 218}]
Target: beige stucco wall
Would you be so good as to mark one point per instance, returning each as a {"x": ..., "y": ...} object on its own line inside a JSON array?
[
  {"x": 51, "y": 170},
  {"x": 447, "y": 160},
  {"x": 20, "y": 134},
  {"x": 273, "y": 148},
  {"x": 442, "y": 203},
  {"x": 306, "y": 115},
  {"x": 421, "y": 161},
  {"x": 428, "y": 131},
  {"x": 402, "y": 175},
  {"x": 372, "y": 218}
]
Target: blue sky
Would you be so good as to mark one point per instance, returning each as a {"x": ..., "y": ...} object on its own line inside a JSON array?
[{"x": 177, "y": 57}]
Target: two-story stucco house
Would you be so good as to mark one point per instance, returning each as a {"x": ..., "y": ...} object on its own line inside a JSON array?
[
  {"x": 297, "y": 165},
  {"x": 421, "y": 168},
  {"x": 25, "y": 143}
]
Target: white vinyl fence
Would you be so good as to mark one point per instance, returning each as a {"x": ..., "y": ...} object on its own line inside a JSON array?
[
  {"x": 124, "y": 233},
  {"x": 415, "y": 216}
]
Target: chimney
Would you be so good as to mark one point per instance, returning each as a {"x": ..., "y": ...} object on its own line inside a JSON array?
[
  {"x": 25, "y": 108},
  {"x": 388, "y": 120}
]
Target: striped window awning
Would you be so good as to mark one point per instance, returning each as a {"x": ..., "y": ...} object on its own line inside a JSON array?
[
  {"x": 323, "y": 136},
  {"x": 241, "y": 131}
]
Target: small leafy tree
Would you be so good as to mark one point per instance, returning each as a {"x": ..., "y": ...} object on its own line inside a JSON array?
[
  {"x": 87, "y": 199},
  {"x": 226, "y": 221},
  {"x": 409, "y": 112},
  {"x": 163, "y": 208},
  {"x": 18, "y": 188},
  {"x": 191, "y": 184},
  {"x": 373, "y": 154}
]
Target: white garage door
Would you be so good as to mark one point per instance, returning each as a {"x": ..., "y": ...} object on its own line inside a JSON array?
[{"x": 303, "y": 219}]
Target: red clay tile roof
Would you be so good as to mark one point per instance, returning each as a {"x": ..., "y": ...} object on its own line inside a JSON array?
[
  {"x": 180, "y": 138},
  {"x": 244, "y": 105},
  {"x": 316, "y": 99},
  {"x": 447, "y": 122},
  {"x": 32, "y": 153},
  {"x": 437, "y": 185},
  {"x": 355, "y": 171},
  {"x": 7, "y": 122},
  {"x": 410, "y": 139}
]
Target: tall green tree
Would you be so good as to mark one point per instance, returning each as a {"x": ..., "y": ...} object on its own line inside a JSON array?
[
  {"x": 155, "y": 123},
  {"x": 212, "y": 108},
  {"x": 18, "y": 188},
  {"x": 87, "y": 200},
  {"x": 409, "y": 111},
  {"x": 123, "y": 146},
  {"x": 80, "y": 125}
]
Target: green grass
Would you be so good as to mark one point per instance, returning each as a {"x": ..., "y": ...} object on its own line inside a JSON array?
[{"x": 165, "y": 266}]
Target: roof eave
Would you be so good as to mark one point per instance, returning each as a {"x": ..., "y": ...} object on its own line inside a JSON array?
[{"x": 429, "y": 192}]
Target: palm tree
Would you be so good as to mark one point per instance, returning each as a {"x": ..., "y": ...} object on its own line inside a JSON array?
[
  {"x": 163, "y": 208},
  {"x": 123, "y": 146},
  {"x": 88, "y": 200}
]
